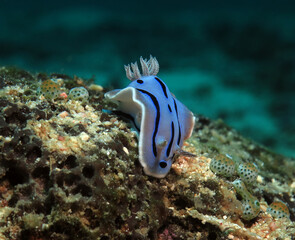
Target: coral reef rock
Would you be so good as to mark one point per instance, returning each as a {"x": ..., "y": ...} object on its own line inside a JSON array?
[{"x": 69, "y": 170}]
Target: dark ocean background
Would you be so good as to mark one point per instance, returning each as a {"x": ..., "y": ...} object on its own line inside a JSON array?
[{"x": 223, "y": 59}]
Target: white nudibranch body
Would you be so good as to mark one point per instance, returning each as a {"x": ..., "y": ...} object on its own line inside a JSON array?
[{"x": 162, "y": 121}]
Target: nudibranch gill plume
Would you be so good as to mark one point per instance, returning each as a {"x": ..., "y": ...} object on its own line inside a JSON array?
[{"x": 163, "y": 122}]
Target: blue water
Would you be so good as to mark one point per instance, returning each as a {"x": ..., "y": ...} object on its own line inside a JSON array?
[{"x": 223, "y": 59}]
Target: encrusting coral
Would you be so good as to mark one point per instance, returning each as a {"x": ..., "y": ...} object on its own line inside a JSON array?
[
  {"x": 79, "y": 93},
  {"x": 50, "y": 89},
  {"x": 251, "y": 205},
  {"x": 68, "y": 170},
  {"x": 248, "y": 172},
  {"x": 278, "y": 209},
  {"x": 223, "y": 165}
]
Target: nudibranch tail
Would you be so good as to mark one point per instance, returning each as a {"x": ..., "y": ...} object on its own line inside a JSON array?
[{"x": 149, "y": 68}]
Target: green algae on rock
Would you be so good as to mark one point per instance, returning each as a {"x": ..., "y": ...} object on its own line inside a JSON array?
[{"x": 75, "y": 169}]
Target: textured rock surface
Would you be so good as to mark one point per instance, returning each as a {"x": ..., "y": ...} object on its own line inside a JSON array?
[{"x": 70, "y": 171}]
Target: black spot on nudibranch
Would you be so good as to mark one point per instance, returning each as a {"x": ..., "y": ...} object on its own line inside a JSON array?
[
  {"x": 163, "y": 164},
  {"x": 163, "y": 86},
  {"x": 170, "y": 110},
  {"x": 139, "y": 81}
]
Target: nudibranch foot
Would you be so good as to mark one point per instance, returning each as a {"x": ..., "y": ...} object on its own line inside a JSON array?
[{"x": 184, "y": 153}]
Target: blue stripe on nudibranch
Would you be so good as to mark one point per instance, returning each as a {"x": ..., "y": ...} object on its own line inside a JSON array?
[
  {"x": 179, "y": 135},
  {"x": 162, "y": 86},
  {"x": 156, "y": 103},
  {"x": 171, "y": 140}
]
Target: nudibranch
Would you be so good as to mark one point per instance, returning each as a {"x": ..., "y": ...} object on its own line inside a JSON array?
[{"x": 162, "y": 121}]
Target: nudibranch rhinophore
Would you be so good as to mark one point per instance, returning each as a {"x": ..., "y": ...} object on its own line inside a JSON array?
[{"x": 163, "y": 122}]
